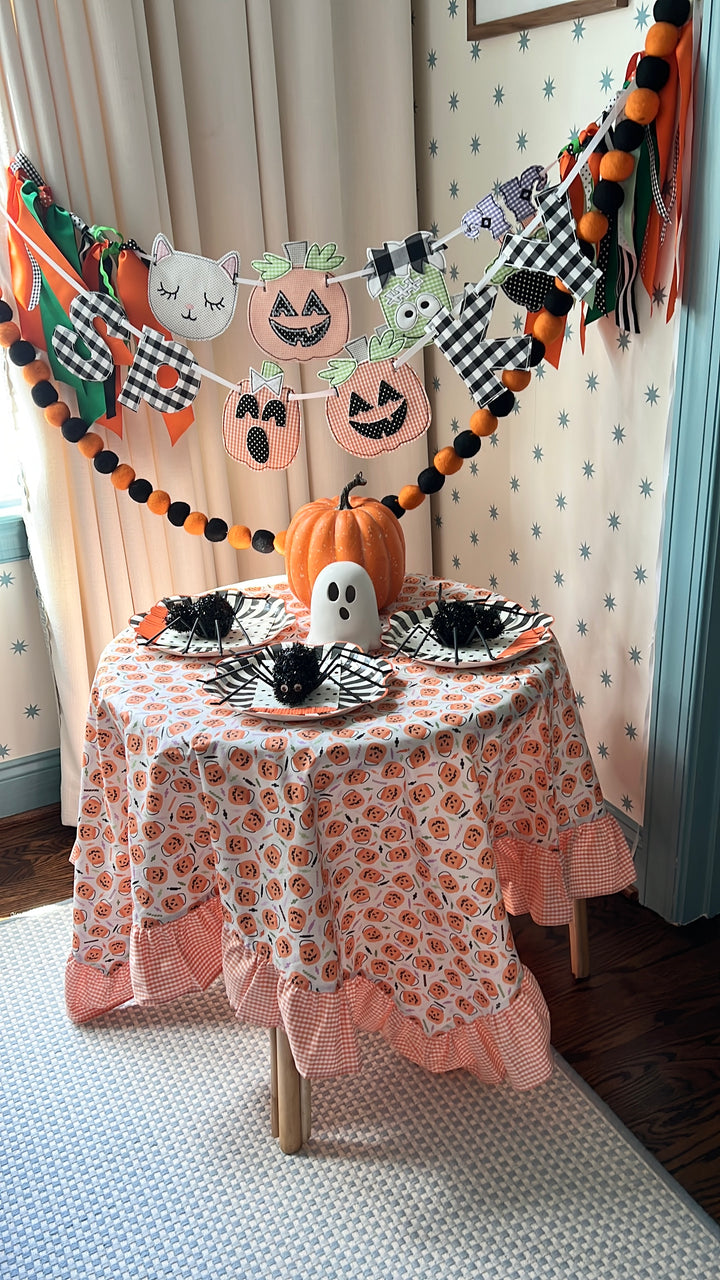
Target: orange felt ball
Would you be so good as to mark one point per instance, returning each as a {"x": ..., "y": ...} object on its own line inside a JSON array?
[
  {"x": 517, "y": 379},
  {"x": 90, "y": 445},
  {"x": 661, "y": 40},
  {"x": 592, "y": 226},
  {"x": 447, "y": 461},
  {"x": 483, "y": 422},
  {"x": 559, "y": 285},
  {"x": 616, "y": 166},
  {"x": 279, "y": 542},
  {"x": 410, "y": 496},
  {"x": 123, "y": 476},
  {"x": 195, "y": 523},
  {"x": 57, "y": 413},
  {"x": 9, "y": 333},
  {"x": 547, "y": 327},
  {"x": 36, "y": 371},
  {"x": 159, "y": 502},
  {"x": 642, "y": 106},
  {"x": 239, "y": 537}
]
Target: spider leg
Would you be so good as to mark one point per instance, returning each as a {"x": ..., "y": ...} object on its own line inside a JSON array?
[
  {"x": 455, "y": 642},
  {"x": 401, "y": 647},
  {"x": 218, "y": 637},
  {"x": 191, "y": 635},
  {"x": 423, "y": 638}
]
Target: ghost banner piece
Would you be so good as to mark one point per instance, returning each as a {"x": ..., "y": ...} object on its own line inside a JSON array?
[
  {"x": 462, "y": 341},
  {"x": 192, "y": 296},
  {"x": 261, "y": 424},
  {"x": 560, "y": 255},
  {"x": 408, "y": 281},
  {"x": 377, "y": 407},
  {"x": 299, "y": 311}
]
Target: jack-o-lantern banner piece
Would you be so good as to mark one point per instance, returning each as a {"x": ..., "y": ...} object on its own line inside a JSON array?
[
  {"x": 377, "y": 407},
  {"x": 409, "y": 283},
  {"x": 261, "y": 424},
  {"x": 298, "y": 311},
  {"x": 192, "y": 296}
]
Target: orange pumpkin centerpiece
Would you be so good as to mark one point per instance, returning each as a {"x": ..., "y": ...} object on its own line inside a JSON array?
[
  {"x": 346, "y": 528},
  {"x": 298, "y": 311}
]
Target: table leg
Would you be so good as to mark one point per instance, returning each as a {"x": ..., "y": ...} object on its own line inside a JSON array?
[
  {"x": 274, "y": 1123},
  {"x": 305, "y": 1108},
  {"x": 289, "y": 1096},
  {"x": 579, "y": 940}
]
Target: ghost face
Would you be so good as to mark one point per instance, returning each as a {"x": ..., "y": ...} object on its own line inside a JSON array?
[{"x": 343, "y": 607}]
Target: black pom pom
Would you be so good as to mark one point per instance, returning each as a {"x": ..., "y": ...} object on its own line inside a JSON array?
[
  {"x": 489, "y": 620},
  {"x": 216, "y": 530},
  {"x": 557, "y": 302},
  {"x": 466, "y": 444},
  {"x": 503, "y": 405},
  {"x": 296, "y": 673},
  {"x": 430, "y": 480},
  {"x": 262, "y": 541},
  {"x": 74, "y": 429},
  {"x": 390, "y": 501},
  {"x": 628, "y": 135},
  {"x": 140, "y": 490},
  {"x": 588, "y": 249},
  {"x": 105, "y": 461},
  {"x": 537, "y": 352},
  {"x": 675, "y": 11},
  {"x": 178, "y": 512},
  {"x": 21, "y": 352},
  {"x": 454, "y": 618},
  {"x": 6, "y": 312},
  {"x": 215, "y": 613},
  {"x": 608, "y": 196},
  {"x": 44, "y": 393},
  {"x": 652, "y": 73}
]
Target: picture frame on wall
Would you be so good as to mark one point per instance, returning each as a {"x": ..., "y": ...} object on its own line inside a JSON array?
[{"x": 487, "y": 18}]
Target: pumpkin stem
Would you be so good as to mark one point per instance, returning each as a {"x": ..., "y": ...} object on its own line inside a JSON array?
[{"x": 344, "y": 500}]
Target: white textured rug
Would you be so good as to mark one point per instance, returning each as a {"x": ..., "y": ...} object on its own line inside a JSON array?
[{"x": 138, "y": 1148}]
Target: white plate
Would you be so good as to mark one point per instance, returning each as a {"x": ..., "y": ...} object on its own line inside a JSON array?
[
  {"x": 360, "y": 679},
  {"x": 258, "y": 620},
  {"x": 408, "y": 634}
]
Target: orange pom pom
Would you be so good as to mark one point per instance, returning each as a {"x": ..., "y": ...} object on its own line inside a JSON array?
[
  {"x": 483, "y": 422},
  {"x": 616, "y": 166},
  {"x": 159, "y": 502},
  {"x": 195, "y": 523},
  {"x": 447, "y": 461},
  {"x": 90, "y": 444},
  {"x": 57, "y": 413},
  {"x": 279, "y": 542},
  {"x": 592, "y": 226},
  {"x": 660, "y": 41},
  {"x": 410, "y": 497},
  {"x": 239, "y": 537},
  {"x": 642, "y": 105},
  {"x": 547, "y": 327},
  {"x": 516, "y": 379},
  {"x": 36, "y": 371},
  {"x": 559, "y": 285},
  {"x": 9, "y": 333},
  {"x": 123, "y": 476}
]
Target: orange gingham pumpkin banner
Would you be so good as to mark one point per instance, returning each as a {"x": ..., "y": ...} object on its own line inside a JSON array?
[
  {"x": 378, "y": 409},
  {"x": 256, "y": 433}
]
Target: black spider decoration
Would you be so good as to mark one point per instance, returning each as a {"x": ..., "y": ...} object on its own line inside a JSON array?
[
  {"x": 209, "y": 617},
  {"x": 296, "y": 673},
  {"x": 458, "y": 623}
]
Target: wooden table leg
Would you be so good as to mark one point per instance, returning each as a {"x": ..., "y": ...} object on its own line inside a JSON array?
[
  {"x": 274, "y": 1124},
  {"x": 579, "y": 940},
  {"x": 289, "y": 1098}
]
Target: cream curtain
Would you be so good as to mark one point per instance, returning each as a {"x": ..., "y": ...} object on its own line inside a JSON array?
[{"x": 227, "y": 125}]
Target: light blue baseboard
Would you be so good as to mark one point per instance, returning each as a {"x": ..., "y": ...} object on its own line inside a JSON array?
[
  {"x": 13, "y": 539},
  {"x": 31, "y": 782},
  {"x": 632, "y": 830}
]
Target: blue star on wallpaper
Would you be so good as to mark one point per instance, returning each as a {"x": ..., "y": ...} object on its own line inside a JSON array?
[
  {"x": 652, "y": 394},
  {"x": 474, "y": 144},
  {"x": 635, "y": 656},
  {"x": 432, "y": 59},
  {"x": 433, "y": 147},
  {"x": 521, "y": 141},
  {"x": 585, "y": 551},
  {"x": 614, "y": 521},
  {"x": 563, "y": 419},
  {"x": 578, "y": 29},
  {"x": 548, "y": 89},
  {"x": 588, "y": 469},
  {"x": 582, "y": 627},
  {"x": 645, "y": 488},
  {"x": 536, "y": 531},
  {"x": 454, "y": 189},
  {"x": 618, "y": 433},
  {"x": 623, "y": 340},
  {"x": 475, "y": 50},
  {"x": 642, "y": 16},
  {"x": 606, "y": 80},
  {"x": 640, "y": 575},
  {"x": 453, "y": 101},
  {"x": 4, "y": 750},
  {"x": 6, "y": 579},
  {"x": 606, "y": 679},
  {"x": 610, "y": 603},
  {"x": 32, "y": 711},
  {"x": 19, "y": 646},
  {"x": 592, "y": 381},
  {"x": 524, "y": 41},
  {"x": 498, "y": 95}
]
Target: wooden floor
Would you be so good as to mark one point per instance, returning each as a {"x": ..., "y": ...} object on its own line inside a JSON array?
[{"x": 643, "y": 1030}]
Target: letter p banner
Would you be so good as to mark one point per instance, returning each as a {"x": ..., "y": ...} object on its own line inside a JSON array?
[{"x": 142, "y": 382}]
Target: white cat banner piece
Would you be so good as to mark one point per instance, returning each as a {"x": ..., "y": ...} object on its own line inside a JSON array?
[{"x": 192, "y": 296}]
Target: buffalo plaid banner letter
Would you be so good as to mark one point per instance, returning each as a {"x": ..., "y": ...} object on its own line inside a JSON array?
[
  {"x": 462, "y": 341},
  {"x": 561, "y": 254},
  {"x": 84, "y": 309},
  {"x": 141, "y": 383}
]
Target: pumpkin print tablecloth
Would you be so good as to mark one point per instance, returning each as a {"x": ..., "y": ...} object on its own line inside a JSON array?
[{"x": 355, "y": 872}]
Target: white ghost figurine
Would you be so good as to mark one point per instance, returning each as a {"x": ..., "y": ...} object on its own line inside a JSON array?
[{"x": 343, "y": 607}]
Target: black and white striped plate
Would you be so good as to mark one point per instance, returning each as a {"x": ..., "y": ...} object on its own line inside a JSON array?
[
  {"x": 360, "y": 679},
  {"x": 259, "y": 619},
  {"x": 408, "y": 633}
]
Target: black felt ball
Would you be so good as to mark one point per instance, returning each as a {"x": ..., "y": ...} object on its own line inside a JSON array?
[
  {"x": 675, "y": 11},
  {"x": 537, "y": 352},
  {"x": 296, "y": 673},
  {"x": 21, "y": 352},
  {"x": 390, "y": 501},
  {"x": 6, "y": 312},
  {"x": 43, "y": 394},
  {"x": 587, "y": 249},
  {"x": 74, "y": 429},
  {"x": 105, "y": 462},
  {"x": 262, "y": 541},
  {"x": 652, "y": 73},
  {"x": 178, "y": 512},
  {"x": 454, "y": 619},
  {"x": 628, "y": 135},
  {"x": 430, "y": 480},
  {"x": 503, "y": 405},
  {"x": 215, "y": 614},
  {"x": 608, "y": 196},
  {"x": 557, "y": 301},
  {"x": 466, "y": 444},
  {"x": 140, "y": 490},
  {"x": 216, "y": 530}
]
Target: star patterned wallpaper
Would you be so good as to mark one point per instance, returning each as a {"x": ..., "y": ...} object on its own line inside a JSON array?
[
  {"x": 28, "y": 718},
  {"x": 561, "y": 509}
]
